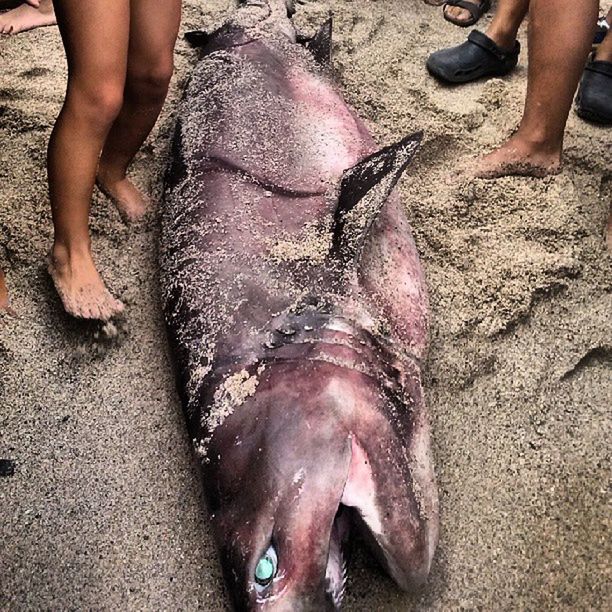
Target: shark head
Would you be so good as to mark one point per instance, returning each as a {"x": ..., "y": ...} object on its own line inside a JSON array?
[{"x": 317, "y": 450}]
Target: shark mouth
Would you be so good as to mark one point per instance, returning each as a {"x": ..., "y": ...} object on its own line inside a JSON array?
[
  {"x": 337, "y": 561},
  {"x": 357, "y": 508}
]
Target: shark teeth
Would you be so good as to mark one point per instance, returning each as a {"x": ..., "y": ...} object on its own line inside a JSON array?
[
  {"x": 338, "y": 595},
  {"x": 337, "y": 566}
]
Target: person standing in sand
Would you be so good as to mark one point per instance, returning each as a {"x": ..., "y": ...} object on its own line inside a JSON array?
[
  {"x": 26, "y": 15},
  {"x": 120, "y": 61},
  {"x": 560, "y": 36}
]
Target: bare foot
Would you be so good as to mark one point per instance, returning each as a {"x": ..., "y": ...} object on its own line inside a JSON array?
[
  {"x": 27, "y": 17},
  {"x": 516, "y": 158},
  {"x": 80, "y": 286},
  {"x": 460, "y": 15},
  {"x": 130, "y": 203}
]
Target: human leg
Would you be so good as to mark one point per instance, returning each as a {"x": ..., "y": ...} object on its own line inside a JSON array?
[
  {"x": 150, "y": 65},
  {"x": 95, "y": 35},
  {"x": 560, "y": 35}
]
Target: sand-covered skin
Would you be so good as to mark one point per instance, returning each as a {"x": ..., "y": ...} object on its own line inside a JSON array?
[{"x": 105, "y": 509}]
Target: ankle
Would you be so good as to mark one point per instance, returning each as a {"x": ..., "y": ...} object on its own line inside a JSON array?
[
  {"x": 604, "y": 52},
  {"x": 537, "y": 143},
  {"x": 65, "y": 252},
  {"x": 108, "y": 175},
  {"x": 502, "y": 36}
]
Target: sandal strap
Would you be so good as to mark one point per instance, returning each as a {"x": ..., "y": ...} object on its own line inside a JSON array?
[
  {"x": 474, "y": 9},
  {"x": 484, "y": 42}
]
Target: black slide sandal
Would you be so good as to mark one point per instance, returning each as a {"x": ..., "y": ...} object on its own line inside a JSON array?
[
  {"x": 478, "y": 57},
  {"x": 475, "y": 10},
  {"x": 594, "y": 98}
]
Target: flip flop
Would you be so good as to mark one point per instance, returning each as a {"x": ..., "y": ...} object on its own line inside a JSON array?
[
  {"x": 475, "y": 10},
  {"x": 594, "y": 98},
  {"x": 435, "y": 2},
  {"x": 477, "y": 57}
]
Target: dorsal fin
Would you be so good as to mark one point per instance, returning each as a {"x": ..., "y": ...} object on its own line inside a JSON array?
[
  {"x": 320, "y": 45},
  {"x": 364, "y": 189}
]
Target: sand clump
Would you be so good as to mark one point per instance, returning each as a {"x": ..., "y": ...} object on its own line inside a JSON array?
[
  {"x": 231, "y": 394},
  {"x": 105, "y": 488}
]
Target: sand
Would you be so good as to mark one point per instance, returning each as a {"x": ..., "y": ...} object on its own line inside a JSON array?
[{"x": 105, "y": 508}]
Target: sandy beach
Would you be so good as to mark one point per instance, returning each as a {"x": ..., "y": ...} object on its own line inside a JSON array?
[{"x": 105, "y": 509}]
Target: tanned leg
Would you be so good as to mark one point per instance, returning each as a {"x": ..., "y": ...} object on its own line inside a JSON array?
[
  {"x": 153, "y": 34},
  {"x": 95, "y": 35},
  {"x": 506, "y": 22},
  {"x": 27, "y": 17},
  {"x": 604, "y": 51},
  {"x": 4, "y": 301},
  {"x": 560, "y": 36}
]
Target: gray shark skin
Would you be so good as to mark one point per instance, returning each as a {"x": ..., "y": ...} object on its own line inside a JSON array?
[{"x": 297, "y": 314}]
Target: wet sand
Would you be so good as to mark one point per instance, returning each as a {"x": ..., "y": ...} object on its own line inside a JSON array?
[{"x": 105, "y": 508}]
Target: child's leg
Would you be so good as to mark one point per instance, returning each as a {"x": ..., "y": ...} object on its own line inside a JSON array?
[
  {"x": 27, "y": 17},
  {"x": 95, "y": 35},
  {"x": 153, "y": 33}
]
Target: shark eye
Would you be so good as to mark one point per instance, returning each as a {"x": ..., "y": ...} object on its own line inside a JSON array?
[{"x": 266, "y": 568}]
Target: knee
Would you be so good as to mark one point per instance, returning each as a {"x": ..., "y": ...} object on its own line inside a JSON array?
[
  {"x": 97, "y": 104},
  {"x": 108, "y": 102},
  {"x": 150, "y": 82}
]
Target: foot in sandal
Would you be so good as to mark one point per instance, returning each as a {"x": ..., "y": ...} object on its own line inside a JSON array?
[
  {"x": 465, "y": 13},
  {"x": 594, "y": 98},
  {"x": 478, "y": 57}
]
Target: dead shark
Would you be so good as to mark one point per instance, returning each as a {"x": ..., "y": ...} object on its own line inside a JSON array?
[{"x": 297, "y": 313}]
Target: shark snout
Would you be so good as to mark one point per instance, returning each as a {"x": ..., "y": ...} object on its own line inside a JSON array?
[{"x": 319, "y": 461}]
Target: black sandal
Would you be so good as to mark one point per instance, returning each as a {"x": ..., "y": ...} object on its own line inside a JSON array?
[
  {"x": 594, "y": 98},
  {"x": 477, "y": 57},
  {"x": 475, "y": 10}
]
